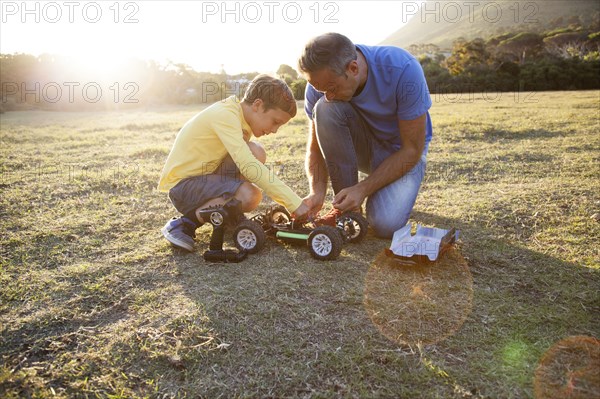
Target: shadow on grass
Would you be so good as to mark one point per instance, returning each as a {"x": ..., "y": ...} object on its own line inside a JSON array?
[
  {"x": 524, "y": 302},
  {"x": 494, "y": 134},
  {"x": 282, "y": 324},
  {"x": 289, "y": 325},
  {"x": 72, "y": 346}
]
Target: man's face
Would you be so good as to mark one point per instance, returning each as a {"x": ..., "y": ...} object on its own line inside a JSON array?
[
  {"x": 335, "y": 87},
  {"x": 267, "y": 122}
]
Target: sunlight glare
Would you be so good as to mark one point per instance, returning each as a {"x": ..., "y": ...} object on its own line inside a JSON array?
[{"x": 101, "y": 66}]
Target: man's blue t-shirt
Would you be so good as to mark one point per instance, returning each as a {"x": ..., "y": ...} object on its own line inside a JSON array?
[{"x": 395, "y": 89}]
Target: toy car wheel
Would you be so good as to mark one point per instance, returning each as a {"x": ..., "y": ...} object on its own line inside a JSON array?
[
  {"x": 249, "y": 236},
  {"x": 279, "y": 215},
  {"x": 325, "y": 242},
  {"x": 354, "y": 226}
]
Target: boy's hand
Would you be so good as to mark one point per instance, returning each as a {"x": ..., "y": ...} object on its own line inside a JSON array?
[
  {"x": 302, "y": 212},
  {"x": 314, "y": 202}
]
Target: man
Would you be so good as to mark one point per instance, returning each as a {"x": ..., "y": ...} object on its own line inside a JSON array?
[{"x": 368, "y": 107}]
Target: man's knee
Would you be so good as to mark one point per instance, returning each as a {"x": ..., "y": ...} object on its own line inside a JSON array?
[
  {"x": 326, "y": 112},
  {"x": 258, "y": 150},
  {"x": 249, "y": 195},
  {"x": 385, "y": 227},
  {"x": 388, "y": 210}
]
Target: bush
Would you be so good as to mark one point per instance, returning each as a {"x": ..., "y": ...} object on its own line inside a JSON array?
[{"x": 298, "y": 87}]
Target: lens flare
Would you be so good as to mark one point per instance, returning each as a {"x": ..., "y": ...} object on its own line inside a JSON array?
[
  {"x": 570, "y": 369},
  {"x": 421, "y": 304}
]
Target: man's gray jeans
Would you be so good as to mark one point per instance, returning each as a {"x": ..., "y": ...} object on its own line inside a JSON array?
[{"x": 349, "y": 145}]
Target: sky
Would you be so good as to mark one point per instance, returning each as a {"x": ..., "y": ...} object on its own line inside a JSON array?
[{"x": 238, "y": 36}]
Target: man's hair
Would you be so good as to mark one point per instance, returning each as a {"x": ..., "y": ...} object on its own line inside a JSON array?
[
  {"x": 330, "y": 50},
  {"x": 273, "y": 92}
]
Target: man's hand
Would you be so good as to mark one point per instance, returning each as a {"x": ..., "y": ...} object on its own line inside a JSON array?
[
  {"x": 349, "y": 198},
  {"x": 314, "y": 202}
]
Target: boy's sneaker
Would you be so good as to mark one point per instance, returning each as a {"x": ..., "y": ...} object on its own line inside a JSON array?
[{"x": 180, "y": 232}]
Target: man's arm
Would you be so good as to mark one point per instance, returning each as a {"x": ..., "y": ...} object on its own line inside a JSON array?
[
  {"x": 316, "y": 171},
  {"x": 412, "y": 134}
]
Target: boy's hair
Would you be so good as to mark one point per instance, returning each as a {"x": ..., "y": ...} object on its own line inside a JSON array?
[
  {"x": 330, "y": 50},
  {"x": 273, "y": 92}
]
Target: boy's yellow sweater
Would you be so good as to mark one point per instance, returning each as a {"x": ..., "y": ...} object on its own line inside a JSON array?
[{"x": 206, "y": 139}]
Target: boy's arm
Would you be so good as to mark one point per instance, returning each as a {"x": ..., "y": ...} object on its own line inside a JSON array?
[{"x": 228, "y": 130}]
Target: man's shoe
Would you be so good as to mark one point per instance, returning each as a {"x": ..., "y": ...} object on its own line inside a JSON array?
[{"x": 180, "y": 232}]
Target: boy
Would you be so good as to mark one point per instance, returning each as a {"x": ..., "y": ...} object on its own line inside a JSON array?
[{"x": 213, "y": 149}]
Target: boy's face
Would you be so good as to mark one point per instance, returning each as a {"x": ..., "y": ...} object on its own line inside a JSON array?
[{"x": 264, "y": 122}]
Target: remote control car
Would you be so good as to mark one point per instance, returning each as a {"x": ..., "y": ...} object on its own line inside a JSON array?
[
  {"x": 249, "y": 235},
  {"x": 324, "y": 242}
]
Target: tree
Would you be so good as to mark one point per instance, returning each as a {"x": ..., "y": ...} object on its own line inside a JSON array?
[
  {"x": 567, "y": 45},
  {"x": 556, "y": 23},
  {"x": 466, "y": 55},
  {"x": 298, "y": 87},
  {"x": 522, "y": 45},
  {"x": 574, "y": 21},
  {"x": 287, "y": 70},
  {"x": 595, "y": 23}
]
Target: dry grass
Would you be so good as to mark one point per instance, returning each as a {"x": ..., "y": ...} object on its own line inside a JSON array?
[
  {"x": 419, "y": 305},
  {"x": 570, "y": 370},
  {"x": 94, "y": 302}
]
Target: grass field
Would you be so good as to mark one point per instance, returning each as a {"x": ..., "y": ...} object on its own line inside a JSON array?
[{"x": 95, "y": 303}]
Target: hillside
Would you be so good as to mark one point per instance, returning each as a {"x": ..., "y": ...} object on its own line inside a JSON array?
[{"x": 442, "y": 22}]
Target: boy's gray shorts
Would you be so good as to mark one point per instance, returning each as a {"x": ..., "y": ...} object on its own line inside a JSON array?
[{"x": 192, "y": 192}]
